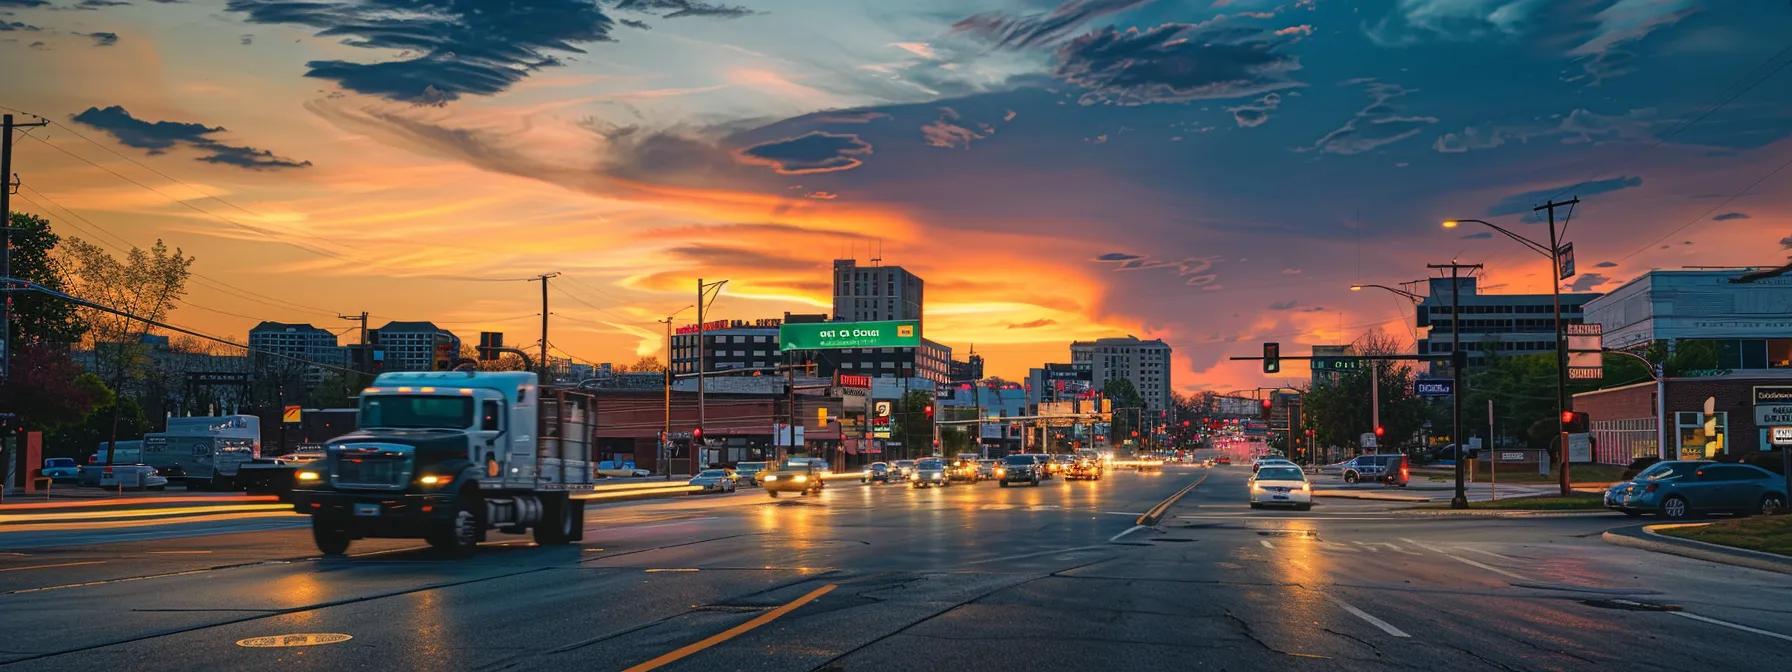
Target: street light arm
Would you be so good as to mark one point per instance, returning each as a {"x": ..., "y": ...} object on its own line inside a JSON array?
[
  {"x": 1535, "y": 246},
  {"x": 1415, "y": 298},
  {"x": 1655, "y": 370}
]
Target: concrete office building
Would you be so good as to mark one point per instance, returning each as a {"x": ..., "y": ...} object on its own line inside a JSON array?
[
  {"x": 1493, "y": 325},
  {"x": 295, "y": 348},
  {"x": 873, "y": 293},
  {"x": 412, "y": 346},
  {"x": 1750, "y": 323},
  {"x": 1145, "y": 363}
]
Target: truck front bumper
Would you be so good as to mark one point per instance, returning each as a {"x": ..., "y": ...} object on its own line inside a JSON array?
[{"x": 384, "y": 514}]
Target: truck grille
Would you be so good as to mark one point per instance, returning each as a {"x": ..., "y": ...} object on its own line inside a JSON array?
[{"x": 381, "y": 467}]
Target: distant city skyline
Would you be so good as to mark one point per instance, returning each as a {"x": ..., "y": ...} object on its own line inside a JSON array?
[{"x": 1208, "y": 174}]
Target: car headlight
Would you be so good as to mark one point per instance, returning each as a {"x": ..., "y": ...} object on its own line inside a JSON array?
[
  {"x": 309, "y": 476},
  {"x": 914, "y": 477},
  {"x": 771, "y": 478}
]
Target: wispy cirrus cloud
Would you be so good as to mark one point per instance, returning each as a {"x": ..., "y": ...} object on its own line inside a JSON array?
[
  {"x": 1177, "y": 62},
  {"x": 1523, "y": 202},
  {"x": 1008, "y": 31}
]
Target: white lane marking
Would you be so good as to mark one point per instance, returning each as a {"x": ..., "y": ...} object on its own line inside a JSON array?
[
  {"x": 1367, "y": 547},
  {"x": 1266, "y": 543},
  {"x": 1384, "y": 625},
  {"x": 59, "y": 564},
  {"x": 1024, "y": 556},
  {"x": 1335, "y": 546},
  {"x": 1128, "y": 531},
  {"x": 1727, "y": 624},
  {"x": 1490, "y": 554},
  {"x": 1469, "y": 562}
]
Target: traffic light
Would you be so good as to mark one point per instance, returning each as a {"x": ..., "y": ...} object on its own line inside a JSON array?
[
  {"x": 1265, "y": 404},
  {"x": 1575, "y": 422},
  {"x": 929, "y": 412},
  {"x": 697, "y": 435},
  {"x": 1380, "y": 431},
  {"x": 1272, "y": 358}
]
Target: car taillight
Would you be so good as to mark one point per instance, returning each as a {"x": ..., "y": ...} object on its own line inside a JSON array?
[{"x": 1652, "y": 487}]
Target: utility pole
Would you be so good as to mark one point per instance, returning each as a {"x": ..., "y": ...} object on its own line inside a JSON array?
[
  {"x": 1458, "y": 362},
  {"x": 1563, "y": 405},
  {"x": 362, "y": 318},
  {"x": 11, "y": 182},
  {"x": 545, "y": 367},
  {"x": 702, "y": 355}
]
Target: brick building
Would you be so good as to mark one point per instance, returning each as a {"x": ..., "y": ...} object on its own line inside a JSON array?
[{"x": 1625, "y": 428}]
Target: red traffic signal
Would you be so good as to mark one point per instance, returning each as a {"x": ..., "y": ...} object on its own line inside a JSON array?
[
  {"x": 929, "y": 411},
  {"x": 1380, "y": 431},
  {"x": 1184, "y": 423},
  {"x": 1567, "y": 417},
  {"x": 1265, "y": 404},
  {"x": 697, "y": 435},
  {"x": 1135, "y": 433}
]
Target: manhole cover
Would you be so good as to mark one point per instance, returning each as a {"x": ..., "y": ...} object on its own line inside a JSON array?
[
  {"x": 301, "y": 639},
  {"x": 1630, "y": 605}
]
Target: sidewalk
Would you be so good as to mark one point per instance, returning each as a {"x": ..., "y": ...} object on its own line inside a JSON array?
[{"x": 1646, "y": 538}]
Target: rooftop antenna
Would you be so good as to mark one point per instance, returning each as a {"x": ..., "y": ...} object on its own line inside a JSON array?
[{"x": 879, "y": 259}]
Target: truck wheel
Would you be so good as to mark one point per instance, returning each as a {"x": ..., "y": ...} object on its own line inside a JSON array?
[
  {"x": 460, "y": 535},
  {"x": 577, "y": 508},
  {"x": 555, "y": 527},
  {"x": 331, "y": 535}
]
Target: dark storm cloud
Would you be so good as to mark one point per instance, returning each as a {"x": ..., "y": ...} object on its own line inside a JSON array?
[
  {"x": 813, "y": 152},
  {"x": 157, "y": 137},
  {"x": 103, "y": 39},
  {"x": 1176, "y": 62},
  {"x": 1730, "y": 215},
  {"x": 448, "y": 48},
  {"x": 683, "y": 8},
  {"x": 1007, "y": 31},
  {"x": 1588, "y": 281},
  {"x": 1518, "y": 203}
]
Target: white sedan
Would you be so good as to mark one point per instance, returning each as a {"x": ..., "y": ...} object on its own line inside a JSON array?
[{"x": 1281, "y": 485}]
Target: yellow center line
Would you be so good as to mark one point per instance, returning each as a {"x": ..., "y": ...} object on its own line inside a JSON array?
[
  {"x": 137, "y": 513},
  {"x": 116, "y": 524},
  {"x": 736, "y": 631},
  {"x": 59, "y": 564}
]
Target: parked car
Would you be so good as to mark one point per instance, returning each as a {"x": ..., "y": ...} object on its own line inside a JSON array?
[
  {"x": 930, "y": 471},
  {"x": 1389, "y": 468},
  {"x": 1281, "y": 485},
  {"x": 1683, "y": 488},
  {"x": 715, "y": 480},
  {"x": 876, "y": 472},
  {"x": 797, "y": 475},
  {"x": 747, "y": 473},
  {"x": 1019, "y": 469},
  {"x": 61, "y": 469},
  {"x": 133, "y": 477}
]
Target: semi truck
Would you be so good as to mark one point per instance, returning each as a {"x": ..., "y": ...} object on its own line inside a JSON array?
[{"x": 448, "y": 456}]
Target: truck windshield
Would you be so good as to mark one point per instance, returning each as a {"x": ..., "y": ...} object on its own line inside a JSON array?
[{"x": 417, "y": 411}]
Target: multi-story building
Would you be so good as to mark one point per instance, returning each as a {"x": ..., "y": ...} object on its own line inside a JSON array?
[
  {"x": 298, "y": 348},
  {"x": 970, "y": 369},
  {"x": 727, "y": 344},
  {"x": 931, "y": 361},
  {"x": 1056, "y": 382},
  {"x": 412, "y": 346},
  {"x": 872, "y": 293},
  {"x": 1493, "y": 325},
  {"x": 1750, "y": 323},
  {"x": 1145, "y": 363}
]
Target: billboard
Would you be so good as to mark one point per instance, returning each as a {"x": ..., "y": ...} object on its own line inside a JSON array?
[{"x": 840, "y": 335}]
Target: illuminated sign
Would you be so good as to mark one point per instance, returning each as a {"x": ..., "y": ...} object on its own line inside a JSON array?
[
  {"x": 854, "y": 380},
  {"x": 840, "y": 335}
]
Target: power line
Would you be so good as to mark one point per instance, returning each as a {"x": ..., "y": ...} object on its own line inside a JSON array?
[{"x": 1710, "y": 210}]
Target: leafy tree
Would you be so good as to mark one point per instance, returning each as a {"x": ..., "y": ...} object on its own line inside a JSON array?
[
  {"x": 909, "y": 423},
  {"x": 96, "y": 430},
  {"x": 146, "y": 283},
  {"x": 645, "y": 365},
  {"x": 1124, "y": 397},
  {"x": 48, "y": 389},
  {"x": 36, "y": 317},
  {"x": 1339, "y": 410}
]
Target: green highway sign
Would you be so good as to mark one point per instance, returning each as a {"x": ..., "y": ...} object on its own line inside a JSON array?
[
  {"x": 1338, "y": 364},
  {"x": 839, "y": 335}
]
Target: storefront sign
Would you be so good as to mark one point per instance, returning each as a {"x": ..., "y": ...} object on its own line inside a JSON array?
[
  {"x": 1434, "y": 387},
  {"x": 1580, "y": 447},
  {"x": 1585, "y": 343},
  {"x": 839, "y": 335},
  {"x": 1781, "y": 437},
  {"x": 854, "y": 380},
  {"x": 1773, "y": 405}
]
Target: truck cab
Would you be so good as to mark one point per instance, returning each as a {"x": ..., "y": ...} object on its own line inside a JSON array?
[{"x": 449, "y": 455}]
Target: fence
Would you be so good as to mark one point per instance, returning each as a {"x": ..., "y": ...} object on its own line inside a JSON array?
[{"x": 1621, "y": 441}]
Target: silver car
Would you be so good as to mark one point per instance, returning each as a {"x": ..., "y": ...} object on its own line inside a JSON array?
[{"x": 714, "y": 480}]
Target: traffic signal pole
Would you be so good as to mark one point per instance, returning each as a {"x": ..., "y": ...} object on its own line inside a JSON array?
[{"x": 1458, "y": 362}]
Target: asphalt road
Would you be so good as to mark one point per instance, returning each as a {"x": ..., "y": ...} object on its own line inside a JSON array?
[{"x": 891, "y": 578}]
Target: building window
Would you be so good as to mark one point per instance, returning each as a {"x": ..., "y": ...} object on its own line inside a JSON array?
[{"x": 1694, "y": 443}]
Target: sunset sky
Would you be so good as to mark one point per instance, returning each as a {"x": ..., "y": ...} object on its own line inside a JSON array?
[{"x": 1213, "y": 173}]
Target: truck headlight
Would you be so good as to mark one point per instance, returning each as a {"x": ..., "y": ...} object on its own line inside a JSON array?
[
  {"x": 771, "y": 477},
  {"x": 432, "y": 479},
  {"x": 800, "y": 479},
  {"x": 309, "y": 476}
]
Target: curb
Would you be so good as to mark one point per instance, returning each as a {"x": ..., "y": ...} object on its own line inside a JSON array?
[
  {"x": 1645, "y": 537},
  {"x": 1370, "y": 496},
  {"x": 1156, "y": 513},
  {"x": 1500, "y": 513}
]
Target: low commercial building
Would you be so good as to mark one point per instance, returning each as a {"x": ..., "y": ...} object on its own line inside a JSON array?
[
  {"x": 727, "y": 344},
  {"x": 1624, "y": 424},
  {"x": 1749, "y": 323},
  {"x": 741, "y": 420}
]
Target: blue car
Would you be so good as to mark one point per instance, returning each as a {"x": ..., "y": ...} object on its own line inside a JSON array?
[
  {"x": 1681, "y": 488},
  {"x": 61, "y": 469}
]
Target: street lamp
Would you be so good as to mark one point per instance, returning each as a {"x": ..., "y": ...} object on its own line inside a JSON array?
[
  {"x": 1554, "y": 252},
  {"x": 665, "y": 452},
  {"x": 1374, "y": 365},
  {"x": 1414, "y": 297}
]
